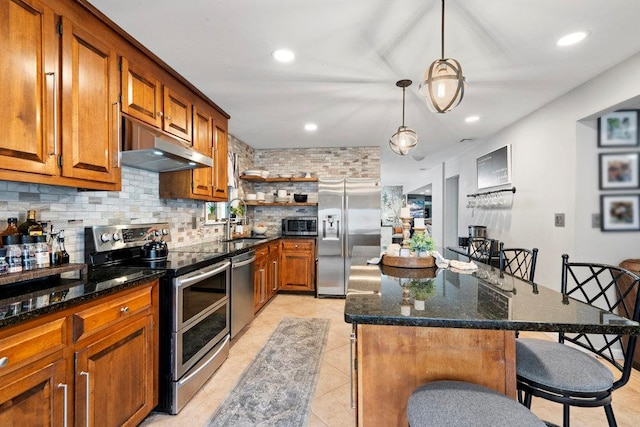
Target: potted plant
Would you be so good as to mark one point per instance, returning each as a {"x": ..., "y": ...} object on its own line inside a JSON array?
[
  {"x": 237, "y": 211},
  {"x": 422, "y": 290},
  {"x": 212, "y": 211},
  {"x": 421, "y": 244}
]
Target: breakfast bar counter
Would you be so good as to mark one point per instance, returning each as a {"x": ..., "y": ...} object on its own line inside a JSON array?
[{"x": 465, "y": 332}]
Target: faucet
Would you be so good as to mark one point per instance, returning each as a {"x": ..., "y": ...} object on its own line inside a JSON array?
[{"x": 244, "y": 217}]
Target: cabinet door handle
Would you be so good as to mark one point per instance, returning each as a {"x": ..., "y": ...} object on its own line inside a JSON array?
[
  {"x": 118, "y": 134},
  {"x": 352, "y": 338},
  {"x": 124, "y": 309},
  {"x": 262, "y": 285},
  {"x": 4, "y": 361},
  {"x": 86, "y": 396},
  {"x": 64, "y": 388},
  {"x": 55, "y": 113},
  {"x": 275, "y": 275}
]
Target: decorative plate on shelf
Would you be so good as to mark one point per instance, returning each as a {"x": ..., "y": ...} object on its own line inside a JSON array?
[{"x": 252, "y": 173}]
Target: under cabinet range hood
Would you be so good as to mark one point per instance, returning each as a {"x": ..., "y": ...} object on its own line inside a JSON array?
[{"x": 145, "y": 147}]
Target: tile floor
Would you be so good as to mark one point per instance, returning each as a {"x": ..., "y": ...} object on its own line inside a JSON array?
[{"x": 331, "y": 402}]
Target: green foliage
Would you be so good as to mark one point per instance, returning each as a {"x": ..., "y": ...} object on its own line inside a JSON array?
[
  {"x": 419, "y": 242},
  {"x": 422, "y": 289},
  {"x": 238, "y": 211}
]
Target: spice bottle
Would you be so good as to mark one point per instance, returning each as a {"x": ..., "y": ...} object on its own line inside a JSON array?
[
  {"x": 28, "y": 252},
  {"x": 42, "y": 252},
  {"x": 4, "y": 267},
  {"x": 30, "y": 227},
  {"x": 13, "y": 256}
]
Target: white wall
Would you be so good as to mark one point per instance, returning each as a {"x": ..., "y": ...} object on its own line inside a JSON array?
[{"x": 555, "y": 171}]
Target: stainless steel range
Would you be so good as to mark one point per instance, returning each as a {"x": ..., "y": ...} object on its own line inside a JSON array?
[{"x": 194, "y": 302}]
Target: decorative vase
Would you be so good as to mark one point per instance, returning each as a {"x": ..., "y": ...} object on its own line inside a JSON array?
[{"x": 418, "y": 304}]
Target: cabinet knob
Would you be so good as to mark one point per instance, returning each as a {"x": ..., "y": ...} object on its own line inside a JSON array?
[
  {"x": 159, "y": 113},
  {"x": 124, "y": 309},
  {"x": 4, "y": 361},
  {"x": 168, "y": 117}
]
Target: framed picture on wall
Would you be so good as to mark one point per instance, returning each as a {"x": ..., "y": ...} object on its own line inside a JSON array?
[
  {"x": 618, "y": 129},
  {"x": 620, "y": 212},
  {"x": 619, "y": 171}
]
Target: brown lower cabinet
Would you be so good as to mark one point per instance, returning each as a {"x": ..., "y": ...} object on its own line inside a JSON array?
[
  {"x": 95, "y": 360},
  {"x": 260, "y": 274},
  {"x": 297, "y": 265}
]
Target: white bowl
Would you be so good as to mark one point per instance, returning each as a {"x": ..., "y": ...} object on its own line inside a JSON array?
[
  {"x": 259, "y": 229},
  {"x": 251, "y": 197},
  {"x": 265, "y": 174},
  {"x": 285, "y": 175}
]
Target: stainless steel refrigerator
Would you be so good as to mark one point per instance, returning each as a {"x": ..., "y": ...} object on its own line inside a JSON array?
[{"x": 348, "y": 216}]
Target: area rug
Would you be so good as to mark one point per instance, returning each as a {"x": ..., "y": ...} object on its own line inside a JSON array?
[{"x": 277, "y": 387}]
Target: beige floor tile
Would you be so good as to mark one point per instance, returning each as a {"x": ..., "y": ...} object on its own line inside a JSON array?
[{"x": 330, "y": 406}]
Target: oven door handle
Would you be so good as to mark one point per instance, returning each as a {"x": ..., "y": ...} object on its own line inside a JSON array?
[
  {"x": 201, "y": 276},
  {"x": 204, "y": 365},
  {"x": 243, "y": 263}
]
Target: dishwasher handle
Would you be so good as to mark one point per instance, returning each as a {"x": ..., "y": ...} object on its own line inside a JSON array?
[{"x": 235, "y": 265}]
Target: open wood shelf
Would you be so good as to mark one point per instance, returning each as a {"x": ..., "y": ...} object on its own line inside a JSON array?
[
  {"x": 254, "y": 203},
  {"x": 42, "y": 272},
  {"x": 261, "y": 179}
]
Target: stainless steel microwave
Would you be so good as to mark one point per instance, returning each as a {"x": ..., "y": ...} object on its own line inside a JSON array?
[{"x": 300, "y": 226}]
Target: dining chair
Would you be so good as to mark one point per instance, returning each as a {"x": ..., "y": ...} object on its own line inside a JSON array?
[
  {"x": 481, "y": 249},
  {"x": 458, "y": 403},
  {"x": 518, "y": 262},
  {"x": 572, "y": 376}
]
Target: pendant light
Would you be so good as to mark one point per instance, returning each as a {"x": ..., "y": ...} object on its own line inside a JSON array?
[
  {"x": 443, "y": 84},
  {"x": 405, "y": 139}
]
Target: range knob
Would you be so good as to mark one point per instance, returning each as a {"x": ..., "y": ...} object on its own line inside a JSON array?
[
  {"x": 105, "y": 237},
  {"x": 116, "y": 237}
]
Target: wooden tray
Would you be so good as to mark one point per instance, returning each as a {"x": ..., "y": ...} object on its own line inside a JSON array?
[
  {"x": 409, "y": 273},
  {"x": 409, "y": 262}
]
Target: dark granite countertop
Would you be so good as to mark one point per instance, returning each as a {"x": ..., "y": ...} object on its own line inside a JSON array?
[
  {"x": 24, "y": 301},
  {"x": 27, "y": 300},
  {"x": 482, "y": 300}
]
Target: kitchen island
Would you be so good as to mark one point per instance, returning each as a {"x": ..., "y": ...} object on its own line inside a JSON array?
[{"x": 465, "y": 332}]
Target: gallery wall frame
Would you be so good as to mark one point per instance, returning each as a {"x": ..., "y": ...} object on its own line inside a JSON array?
[
  {"x": 618, "y": 129},
  {"x": 620, "y": 212},
  {"x": 619, "y": 170}
]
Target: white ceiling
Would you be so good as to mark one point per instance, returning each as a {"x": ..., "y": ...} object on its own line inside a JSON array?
[{"x": 350, "y": 54}]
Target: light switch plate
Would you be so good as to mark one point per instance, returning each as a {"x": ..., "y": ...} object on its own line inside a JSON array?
[
  {"x": 559, "y": 220},
  {"x": 595, "y": 220}
]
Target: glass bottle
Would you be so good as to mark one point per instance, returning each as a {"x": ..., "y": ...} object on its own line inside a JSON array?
[
  {"x": 30, "y": 227},
  {"x": 12, "y": 228},
  {"x": 61, "y": 255}
]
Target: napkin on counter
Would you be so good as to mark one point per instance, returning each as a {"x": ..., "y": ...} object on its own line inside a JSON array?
[
  {"x": 441, "y": 262},
  {"x": 462, "y": 266}
]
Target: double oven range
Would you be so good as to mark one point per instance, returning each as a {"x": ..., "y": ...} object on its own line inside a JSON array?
[{"x": 194, "y": 294}]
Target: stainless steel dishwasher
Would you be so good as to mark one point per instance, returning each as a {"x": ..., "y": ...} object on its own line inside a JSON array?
[{"x": 241, "y": 291}]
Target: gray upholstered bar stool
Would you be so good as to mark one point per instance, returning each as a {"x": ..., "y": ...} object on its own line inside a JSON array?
[{"x": 462, "y": 404}]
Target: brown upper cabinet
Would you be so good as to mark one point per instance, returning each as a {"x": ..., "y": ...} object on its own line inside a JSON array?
[
  {"x": 146, "y": 98},
  {"x": 209, "y": 138},
  {"x": 60, "y": 109}
]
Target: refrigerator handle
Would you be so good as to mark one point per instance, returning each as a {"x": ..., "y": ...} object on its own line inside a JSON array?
[
  {"x": 346, "y": 235},
  {"x": 338, "y": 235}
]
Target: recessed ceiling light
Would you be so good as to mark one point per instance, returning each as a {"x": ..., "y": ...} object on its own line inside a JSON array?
[
  {"x": 283, "y": 55},
  {"x": 472, "y": 119},
  {"x": 573, "y": 38},
  {"x": 310, "y": 127}
]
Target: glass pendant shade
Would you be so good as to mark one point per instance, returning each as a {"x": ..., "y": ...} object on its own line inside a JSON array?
[
  {"x": 403, "y": 141},
  {"x": 443, "y": 85}
]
